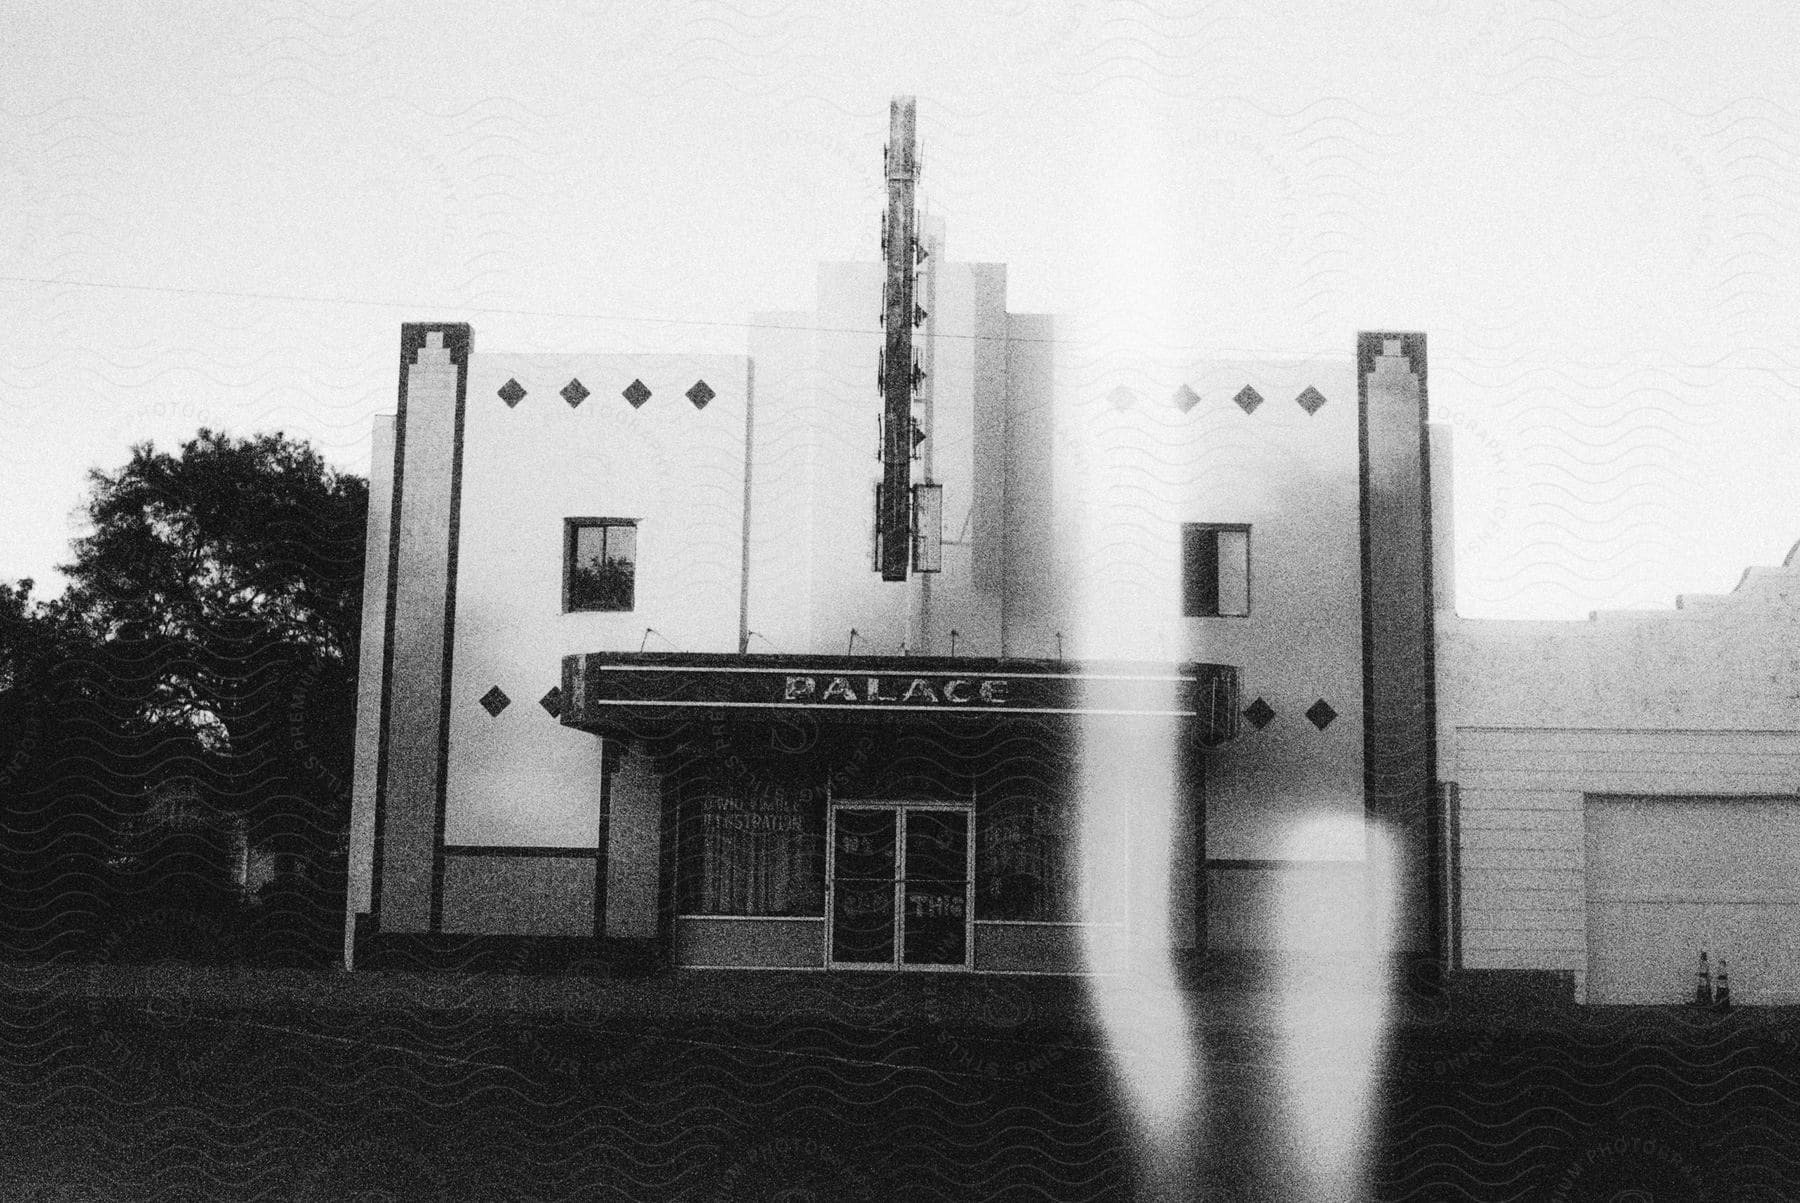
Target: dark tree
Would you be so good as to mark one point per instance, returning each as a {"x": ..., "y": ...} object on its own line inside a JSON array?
[
  {"x": 206, "y": 648},
  {"x": 64, "y": 759},
  {"x": 255, "y": 534}
]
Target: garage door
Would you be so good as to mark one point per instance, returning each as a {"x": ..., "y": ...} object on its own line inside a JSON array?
[{"x": 1668, "y": 877}]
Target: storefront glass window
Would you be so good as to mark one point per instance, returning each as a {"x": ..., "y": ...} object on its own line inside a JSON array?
[
  {"x": 1021, "y": 866},
  {"x": 1029, "y": 865},
  {"x": 762, "y": 856}
]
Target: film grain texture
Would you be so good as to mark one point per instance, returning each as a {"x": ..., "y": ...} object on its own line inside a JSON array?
[{"x": 1099, "y": 599}]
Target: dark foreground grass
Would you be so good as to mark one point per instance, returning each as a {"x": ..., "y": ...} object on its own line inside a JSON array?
[{"x": 121, "y": 1088}]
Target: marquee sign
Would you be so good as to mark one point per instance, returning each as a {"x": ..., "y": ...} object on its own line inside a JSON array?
[
  {"x": 901, "y": 689},
  {"x": 625, "y": 689}
]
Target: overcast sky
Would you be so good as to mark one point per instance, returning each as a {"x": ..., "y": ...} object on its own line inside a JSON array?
[{"x": 221, "y": 215}]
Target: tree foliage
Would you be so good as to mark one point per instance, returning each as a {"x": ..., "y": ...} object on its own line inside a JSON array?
[
  {"x": 253, "y": 537},
  {"x": 232, "y": 573},
  {"x": 207, "y": 640}
]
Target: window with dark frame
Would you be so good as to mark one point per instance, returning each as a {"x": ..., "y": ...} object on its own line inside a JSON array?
[
  {"x": 1215, "y": 570},
  {"x": 599, "y": 564}
]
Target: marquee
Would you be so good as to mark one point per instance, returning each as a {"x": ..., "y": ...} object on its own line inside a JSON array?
[{"x": 627, "y": 690}]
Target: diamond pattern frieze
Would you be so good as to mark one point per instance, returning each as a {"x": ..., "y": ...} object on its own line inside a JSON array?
[
  {"x": 512, "y": 392},
  {"x": 636, "y": 393},
  {"x": 494, "y": 701},
  {"x": 700, "y": 394},
  {"x": 1259, "y": 713},
  {"x": 1320, "y": 714},
  {"x": 1311, "y": 400},
  {"x": 1248, "y": 399},
  {"x": 574, "y": 393}
]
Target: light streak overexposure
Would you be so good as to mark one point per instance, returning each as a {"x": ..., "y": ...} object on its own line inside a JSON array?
[
  {"x": 1128, "y": 787},
  {"x": 1332, "y": 990}
]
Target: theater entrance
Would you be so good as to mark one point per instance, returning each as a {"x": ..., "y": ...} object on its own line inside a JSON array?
[{"x": 899, "y": 885}]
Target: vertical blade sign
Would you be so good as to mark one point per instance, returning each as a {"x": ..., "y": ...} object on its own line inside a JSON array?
[{"x": 897, "y": 359}]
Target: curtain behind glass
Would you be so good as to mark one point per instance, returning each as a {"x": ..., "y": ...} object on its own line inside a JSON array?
[
  {"x": 1022, "y": 866},
  {"x": 756, "y": 857}
]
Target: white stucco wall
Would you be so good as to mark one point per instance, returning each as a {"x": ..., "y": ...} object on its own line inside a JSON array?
[
  {"x": 523, "y": 778},
  {"x": 1133, "y": 465},
  {"x": 361, "y": 850},
  {"x": 785, "y": 434}
]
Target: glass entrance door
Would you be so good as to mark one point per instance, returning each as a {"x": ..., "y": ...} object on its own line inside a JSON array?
[
  {"x": 861, "y": 882},
  {"x": 900, "y": 883},
  {"x": 935, "y": 888}
]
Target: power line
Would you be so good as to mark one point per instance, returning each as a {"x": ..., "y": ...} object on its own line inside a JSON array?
[
  {"x": 1209, "y": 350},
  {"x": 174, "y": 290}
]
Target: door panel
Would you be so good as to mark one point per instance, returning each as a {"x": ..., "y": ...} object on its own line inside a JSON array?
[
  {"x": 936, "y": 873},
  {"x": 862, "y": 895}
]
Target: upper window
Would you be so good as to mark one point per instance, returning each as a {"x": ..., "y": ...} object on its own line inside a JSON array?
[
  {"x": 1215, "y": 570},
  {"x": 599, "y": 564}
]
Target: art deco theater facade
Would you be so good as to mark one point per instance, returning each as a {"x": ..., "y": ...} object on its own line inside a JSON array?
[{"x": 924, "y": 636}]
